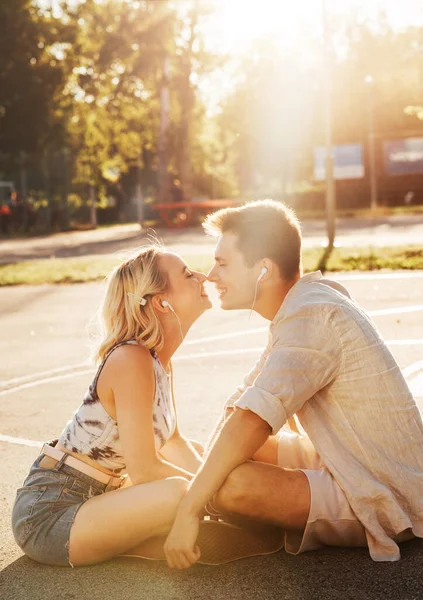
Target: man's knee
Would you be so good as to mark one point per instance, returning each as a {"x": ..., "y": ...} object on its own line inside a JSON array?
[{"x": 237, "y": 491}]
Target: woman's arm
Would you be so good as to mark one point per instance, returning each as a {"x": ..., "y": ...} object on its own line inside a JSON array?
[
  {"x": 130, "y": 374},
  {"x": 179, "y": 451}
]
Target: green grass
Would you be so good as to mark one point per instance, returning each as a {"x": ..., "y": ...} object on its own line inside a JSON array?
[
  {"x": 95, "y": 268},
  {"x": 367, "y": 258}
]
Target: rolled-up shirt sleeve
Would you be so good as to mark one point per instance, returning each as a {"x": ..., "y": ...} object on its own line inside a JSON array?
[
  {"x": 249, "y": 378},
  {"x": 305, "y": 357}
]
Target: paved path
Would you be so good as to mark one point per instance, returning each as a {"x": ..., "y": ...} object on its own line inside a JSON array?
[
  {"x": 43, "y": 376},
  {"x": 380, "y": 231}
]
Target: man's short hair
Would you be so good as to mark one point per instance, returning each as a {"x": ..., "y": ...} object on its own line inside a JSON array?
[{"x": 265, "y": 229}]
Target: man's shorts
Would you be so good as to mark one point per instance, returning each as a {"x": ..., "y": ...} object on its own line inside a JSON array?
[{"x": 331, "y": 521}]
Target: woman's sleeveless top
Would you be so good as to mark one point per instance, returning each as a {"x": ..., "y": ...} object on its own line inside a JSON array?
[{"x": 93, "y": 432}]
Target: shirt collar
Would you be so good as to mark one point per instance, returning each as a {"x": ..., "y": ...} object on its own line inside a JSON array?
[{"x": 313, "y": 276}]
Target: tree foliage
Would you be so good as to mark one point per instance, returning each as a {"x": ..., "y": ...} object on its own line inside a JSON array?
[{"x": 118, "y": 87}]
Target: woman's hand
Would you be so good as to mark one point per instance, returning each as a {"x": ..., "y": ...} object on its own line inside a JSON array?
[{"x": 180, "y": 547}]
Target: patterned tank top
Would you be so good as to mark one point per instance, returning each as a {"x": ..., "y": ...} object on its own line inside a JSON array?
[{"x": 93, "y": 432}]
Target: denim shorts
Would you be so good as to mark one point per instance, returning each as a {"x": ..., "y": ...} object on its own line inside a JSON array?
[{"x": 45, "y": 509}]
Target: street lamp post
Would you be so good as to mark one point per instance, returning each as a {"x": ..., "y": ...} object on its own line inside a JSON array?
[
  {"x": 371, "y": 144},
  {"x": 330, "y": 179}
]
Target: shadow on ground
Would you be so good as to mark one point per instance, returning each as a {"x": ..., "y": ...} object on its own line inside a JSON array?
[
  {"x": 58, "y": 246},
  {"x": 330, "y": 574}
]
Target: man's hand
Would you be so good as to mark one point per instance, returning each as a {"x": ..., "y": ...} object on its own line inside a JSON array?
[{"x": 180, "y": 548}]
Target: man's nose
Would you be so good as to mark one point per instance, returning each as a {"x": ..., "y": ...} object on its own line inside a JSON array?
[{"x": 211, "y": 275}]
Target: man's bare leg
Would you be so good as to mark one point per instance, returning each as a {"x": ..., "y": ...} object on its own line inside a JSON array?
[{"x": 266, "y": 493}]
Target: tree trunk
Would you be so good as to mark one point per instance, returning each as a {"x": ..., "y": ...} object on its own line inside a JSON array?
[
  {"x": 163, "y": 143},
  {"x": 139, "y": 198},
  {"x": 93, "y": 208},
  {"x": 187, "y": 107}
]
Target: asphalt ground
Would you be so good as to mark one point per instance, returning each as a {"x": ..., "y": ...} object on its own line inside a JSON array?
[
  {"x": 375, "y": 231},
  {"x": 43, "y": 375}
]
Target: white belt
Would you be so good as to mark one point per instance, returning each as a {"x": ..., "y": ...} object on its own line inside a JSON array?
[{"x": 71, "y": 461}]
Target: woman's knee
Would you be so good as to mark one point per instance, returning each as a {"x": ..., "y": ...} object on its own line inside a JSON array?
[
  {"x": 178, "y": 487},
  {"x": 197, "y": 446}
]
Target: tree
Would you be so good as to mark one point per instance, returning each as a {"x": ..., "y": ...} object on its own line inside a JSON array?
[
  {"x": 30, "y": 75},
  {"x": 113, "y": 85}
]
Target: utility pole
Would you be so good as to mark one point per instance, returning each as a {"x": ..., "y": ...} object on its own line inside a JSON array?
[
  {"x": 163, "y": 143},
  {"x": 330, "y": 180},
  {"x": 371, "y": 135}
]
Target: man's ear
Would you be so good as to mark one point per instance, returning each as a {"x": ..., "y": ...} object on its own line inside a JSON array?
[{"x": 269, "y": 266}]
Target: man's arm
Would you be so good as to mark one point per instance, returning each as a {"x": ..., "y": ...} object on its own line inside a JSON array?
[
  {"x": 227, "y": 411},
  {"x": 240, "y": 437},
  {"x": 306, "y": 357}
]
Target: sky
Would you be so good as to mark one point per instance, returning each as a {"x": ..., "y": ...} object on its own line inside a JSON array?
[{"x": 236, "y": 22}]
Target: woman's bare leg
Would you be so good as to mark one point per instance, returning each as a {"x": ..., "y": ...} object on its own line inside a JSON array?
[
  {"x": 197, "y": 446},
  {"x": 112, "y": 523},
  {"x": 268, "y": 453}
]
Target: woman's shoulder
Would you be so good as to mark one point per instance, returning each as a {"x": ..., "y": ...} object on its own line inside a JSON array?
[{"x": 129, "y": 355}]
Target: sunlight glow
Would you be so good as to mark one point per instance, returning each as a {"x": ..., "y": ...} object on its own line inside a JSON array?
[{"x": 236, "y": 23}]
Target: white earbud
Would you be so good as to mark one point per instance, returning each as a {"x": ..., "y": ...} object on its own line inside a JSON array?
[
  {"x": 166, "y": 303},
  {"x": 262, "y": 274}
]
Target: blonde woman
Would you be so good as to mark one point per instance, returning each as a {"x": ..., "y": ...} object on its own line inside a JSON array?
[
  {"x": 126, "y": 425},
  {"x": 112, "y": 482}
]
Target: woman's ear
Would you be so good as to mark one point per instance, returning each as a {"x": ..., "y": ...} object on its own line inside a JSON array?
[{"x": 157, "y": 301}]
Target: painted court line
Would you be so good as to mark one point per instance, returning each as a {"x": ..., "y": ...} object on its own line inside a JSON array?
[
  {"x": 395, "y": 311},
  {"x": 413, "y": 369},
  {"x": 374, "y": 275},
  {"x": 31, "y": 384},
  {"x": 21, "y": 441},
  {"x": 416, "y": 386},
  {"x": 193, "y": 356},
  {"x": 225, "y": 336},
  {"x": 28, "y": 380}
]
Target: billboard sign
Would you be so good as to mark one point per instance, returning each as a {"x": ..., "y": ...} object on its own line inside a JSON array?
[
  {"x": 403, "y": 157},
  {"x": 347, "y": 159}
]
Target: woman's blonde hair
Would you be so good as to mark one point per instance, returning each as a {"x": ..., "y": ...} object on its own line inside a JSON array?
[{"x": 121, "y": 317}]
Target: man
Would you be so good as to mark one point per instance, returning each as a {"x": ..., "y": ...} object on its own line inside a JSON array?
[{"x": 348, "y": 469}]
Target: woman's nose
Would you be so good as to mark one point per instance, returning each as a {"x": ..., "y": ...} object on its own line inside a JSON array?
[{"x": 200, "y": 276}]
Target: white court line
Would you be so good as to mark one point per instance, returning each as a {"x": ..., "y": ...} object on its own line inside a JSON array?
[
  {"x": 25, "y": 378},
  {"x": 214, "y": 338},
  {"x": 194, "y": 356},
  {"x": 21, "y": 441},
  {"x": 375, "y": 275},
  {"x": 225, "y": 336},
  {"x": 412, "y": 369},
  {"x": 412, "y": 342},
  {"x": 416, "y": 386},
  {"x": 32, "y": 384},
  {"x": 395, "y": 311}
]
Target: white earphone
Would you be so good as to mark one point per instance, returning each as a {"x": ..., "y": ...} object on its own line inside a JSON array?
[
  {"x": 166, "y": 303},
  {"x": 262, "y": 274}
]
